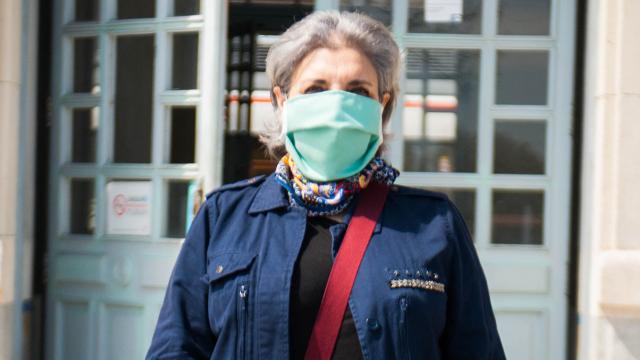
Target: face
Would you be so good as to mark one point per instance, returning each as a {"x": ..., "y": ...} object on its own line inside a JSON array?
[{"x": 343, "y": 68}]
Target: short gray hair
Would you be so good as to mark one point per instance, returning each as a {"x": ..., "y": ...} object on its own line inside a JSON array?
[{"x": 330, "y": 29}]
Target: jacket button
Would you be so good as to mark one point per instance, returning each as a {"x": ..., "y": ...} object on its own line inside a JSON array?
[{"x": 373, "y": 324}]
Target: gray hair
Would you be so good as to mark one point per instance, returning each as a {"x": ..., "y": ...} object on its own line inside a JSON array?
[{"x": 330, "y": 29}]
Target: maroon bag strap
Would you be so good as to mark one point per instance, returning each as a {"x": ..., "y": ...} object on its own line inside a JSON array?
[{"x": 343, "y": 272}]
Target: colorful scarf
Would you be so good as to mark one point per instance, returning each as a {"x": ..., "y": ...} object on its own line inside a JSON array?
[{"x": 329, "y": 198}]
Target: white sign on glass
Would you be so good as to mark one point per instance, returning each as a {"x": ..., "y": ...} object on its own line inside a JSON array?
[
  {"x": 443, "y": 11},
  {"x": 129, "y": 207}
]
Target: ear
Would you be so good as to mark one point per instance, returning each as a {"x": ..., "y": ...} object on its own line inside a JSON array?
[
  {"x": 279, "y": 96},
  {"x": 385, "y": 99}
]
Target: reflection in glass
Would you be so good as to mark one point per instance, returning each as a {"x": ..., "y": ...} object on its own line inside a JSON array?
[
  {"x": 445, "y": 16},
  {"x": 519, "y": 147},
  {"x": 185, "y": 61},
  {"x": 183, "y": 135},
  {"x": 87, "y": 10},
  {"x": 85, "y": 65},
  {"x": 517, "y": 217},
  {"x": 84, "y": 127},
  {"x": 247, "y": 107},
  {"x": 186, "y": 7},
  {"x": 133, "y": 9},
  {"x": 183, "y": 201},
  {"x": 440, "y": 119},
  {"x": 133, "y": 99},
  {"x": 522, "y": 77},
  {"x": 82, "y": 204},
  {"x": 377, "y": 9},
  {"x": 524, "y": 17}
]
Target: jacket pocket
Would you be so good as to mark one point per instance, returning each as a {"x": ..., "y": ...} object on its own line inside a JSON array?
[
  {"x": 223, "y": 265},
  {"x": 230, "y": 278}
]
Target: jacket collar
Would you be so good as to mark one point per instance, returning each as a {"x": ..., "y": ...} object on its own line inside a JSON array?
[{"x": 270, "y": 195}]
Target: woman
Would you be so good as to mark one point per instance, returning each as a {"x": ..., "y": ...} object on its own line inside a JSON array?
[{"x": 250, "y": 278}]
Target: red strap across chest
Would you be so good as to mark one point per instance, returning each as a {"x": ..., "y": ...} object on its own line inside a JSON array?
[{"x": 343, "y": 272}]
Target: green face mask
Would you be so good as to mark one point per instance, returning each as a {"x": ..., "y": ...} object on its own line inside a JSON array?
[{"x": 332, "y": 134}]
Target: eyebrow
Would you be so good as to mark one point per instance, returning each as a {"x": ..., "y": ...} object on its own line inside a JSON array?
[
  {"x": 359, "y": 82},
  {"x": 351, "y": 83}
]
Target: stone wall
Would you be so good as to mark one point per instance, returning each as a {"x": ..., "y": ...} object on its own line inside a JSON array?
[
  {"x": 17, "y": 142},
  {"x": 609, "y": 286},
  {"x": 9, "y": 115}
]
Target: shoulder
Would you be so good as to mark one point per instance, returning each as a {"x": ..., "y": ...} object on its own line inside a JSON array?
[
  {"x": 427, "y": 204},
  {"x": 408, "y": 191},
  {"x": 232, "y": 195},
  {"x": 440, "y": 203},
  {"x": 237, "y": 186},
  {"x": 412, "y": 196}
]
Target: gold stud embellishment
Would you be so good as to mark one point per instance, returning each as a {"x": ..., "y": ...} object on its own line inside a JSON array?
[{"x": 417, "y": 283}]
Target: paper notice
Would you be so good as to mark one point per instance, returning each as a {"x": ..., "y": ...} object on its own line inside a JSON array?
[
  {"x": 443, "y": 11},
  {"x": 129, "y": 207}
]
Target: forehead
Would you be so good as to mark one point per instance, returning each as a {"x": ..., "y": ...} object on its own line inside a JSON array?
[{"x": 334, "y": 64}]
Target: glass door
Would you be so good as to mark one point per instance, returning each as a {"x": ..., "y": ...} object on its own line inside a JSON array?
[
  {"x": 253, "y": 27},
  {"x": 486, "y": 118},
  {"x": 133, "y": 151}
]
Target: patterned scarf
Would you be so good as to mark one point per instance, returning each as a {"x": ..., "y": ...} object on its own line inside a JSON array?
[{"x": 329, "y": 198}]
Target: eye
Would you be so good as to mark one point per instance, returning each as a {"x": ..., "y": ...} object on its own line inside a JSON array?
[
  {"x": 313, "y": 89},
  {"x": 360, "y": 91}
]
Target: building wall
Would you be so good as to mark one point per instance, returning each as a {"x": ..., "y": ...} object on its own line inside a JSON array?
[
  {"x": 17, "y": 145},
  {"x": 609, "y": 288},
  {"x": 9, "y": 112}
]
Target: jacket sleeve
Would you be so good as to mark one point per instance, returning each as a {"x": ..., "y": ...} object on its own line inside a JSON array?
[
  {"x": 470, "y": 331},
  {"x": 182, "y": 331}
]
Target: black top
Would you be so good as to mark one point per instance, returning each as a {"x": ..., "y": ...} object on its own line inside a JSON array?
[{"x": 309, "y": 280}]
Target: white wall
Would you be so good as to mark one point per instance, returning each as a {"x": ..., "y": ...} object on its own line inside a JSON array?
[
  {"x": 609, "y": 287},
  {"x": 16, "y": 206},
  {"x": 9, "y": 112}
]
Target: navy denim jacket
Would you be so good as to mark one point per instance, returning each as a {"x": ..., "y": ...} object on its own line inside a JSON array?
[{"x": 420, "y": 292}]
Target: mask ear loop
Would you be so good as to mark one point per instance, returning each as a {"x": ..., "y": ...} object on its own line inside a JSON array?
[
  {"x": 382, "y": 107},
  {"x": 381, "y": 127},
  {"x": 283, "y": 117}
]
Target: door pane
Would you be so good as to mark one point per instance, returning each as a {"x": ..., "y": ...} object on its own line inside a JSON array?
[
  {"x": 445, "y": 16},
  {"x": 82, "y": 206},
  {"x": 185, "y": 61},
  {"x": 87, "y": 10},
  {"x": 123, "y": 331},
  {"x": 132, "y": 9},
  {"x": 440, "y": 119},
  {"x": 377, "y": 9},
  {"x": 522, "y": 77},
  {"x": 74, "y": 321},
  {"x": 85, "y": 65},
  {"x": 134, "y": 99},
  {"x": 524, "y": 17},
  {"x": 84, "y": 128},
  {"x": 183, "y": 135},
  {"x": 517, "y": 217},
  {"x": 186, "y": 7},
  {"x": 183, "y": 200},
  {"x": 519, "y": 147}
]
